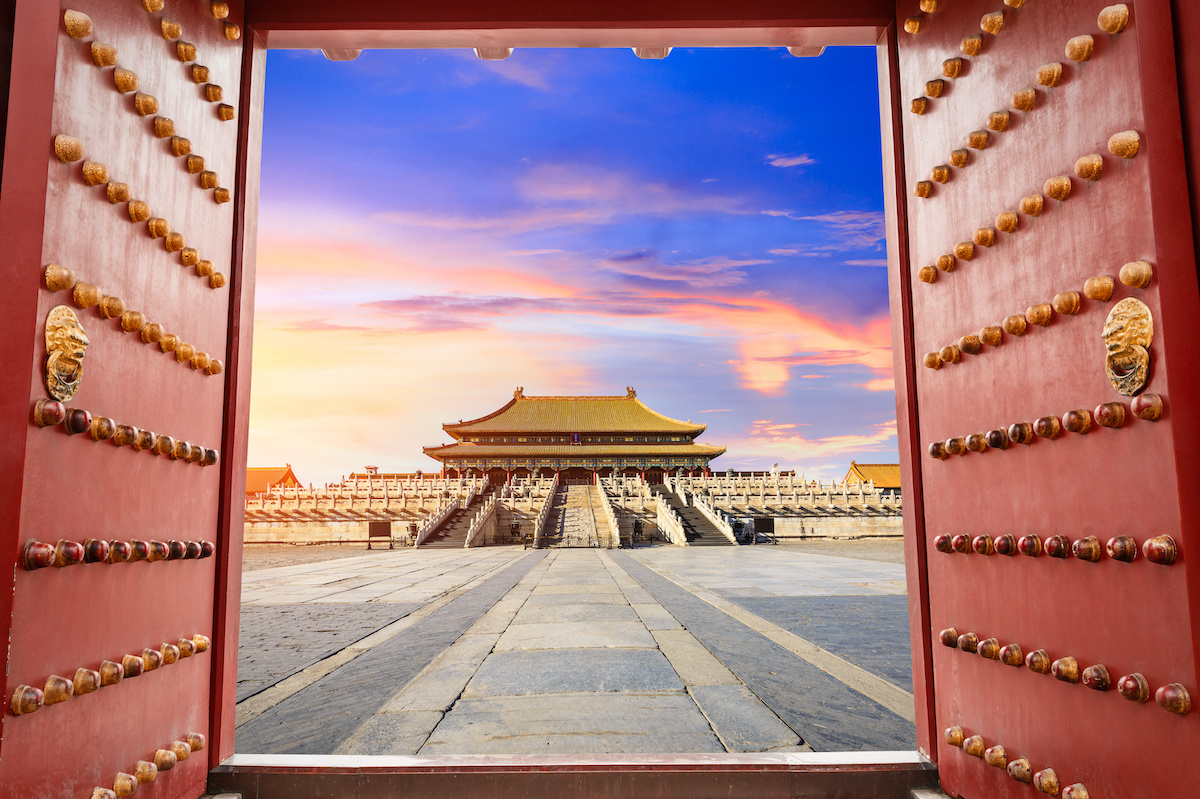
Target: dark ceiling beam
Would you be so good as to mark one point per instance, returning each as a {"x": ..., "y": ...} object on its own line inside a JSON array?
[{"x": 323, "y": 24}]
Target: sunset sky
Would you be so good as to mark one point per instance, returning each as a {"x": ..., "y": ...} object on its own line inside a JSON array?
[{"x": 436, "y": 230}]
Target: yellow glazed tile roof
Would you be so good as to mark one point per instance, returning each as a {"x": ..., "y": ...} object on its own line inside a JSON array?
[
  {"x": 624, "y": 414},
  {"x": 884, "y": 475},
  {"x": 563, "y": 451}
]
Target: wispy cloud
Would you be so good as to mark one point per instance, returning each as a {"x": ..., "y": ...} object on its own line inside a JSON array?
[
  {"x": 790, "y": 160},
  {"x": 551, "y": 196},
  {"x": 848, "y": 230},
  {"x": 768, "y": 437},
  {"x": 701, "y": 273},
  {"x": 521, "y": 68},
  {"x": 854, "y": 228},
  {"x": 868, "y": 262},
  {"x": 827, "y": 358},
  {"x": 320, "y": 326}
]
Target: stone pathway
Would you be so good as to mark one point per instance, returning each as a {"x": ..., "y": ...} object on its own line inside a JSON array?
[{"x": 499, "y": 650}]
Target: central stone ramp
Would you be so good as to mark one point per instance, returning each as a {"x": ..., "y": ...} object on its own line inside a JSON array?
[
  {"x": 572, "y": 522},
  {"x": 604, "y": 531}
]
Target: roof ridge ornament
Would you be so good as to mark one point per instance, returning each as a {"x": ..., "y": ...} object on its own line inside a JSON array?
[
  {"x": 519, "y": 393},
  {"x": 630, "y": 393}
]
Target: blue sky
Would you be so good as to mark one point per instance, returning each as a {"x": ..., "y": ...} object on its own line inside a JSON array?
[{"x": 436, "y": 230}]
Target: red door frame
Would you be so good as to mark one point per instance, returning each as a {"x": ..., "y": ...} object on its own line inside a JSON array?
[{"x": 378, "y": 23}]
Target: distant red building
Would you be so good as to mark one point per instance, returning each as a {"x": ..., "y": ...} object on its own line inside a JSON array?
[{"x": 260, "y": 480}]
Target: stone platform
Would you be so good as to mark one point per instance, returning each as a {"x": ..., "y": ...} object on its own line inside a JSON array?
[{"x": 502, "y": 650}]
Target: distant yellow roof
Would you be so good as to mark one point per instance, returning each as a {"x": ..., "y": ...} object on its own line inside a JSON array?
[
  {"x": 884, "y": 475},
  {"x": 524, "y": 414},
  {"x": 563, "y": 451}
]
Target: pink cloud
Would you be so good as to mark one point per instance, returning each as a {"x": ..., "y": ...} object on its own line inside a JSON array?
[
  {"x": 434, "y": 284},
  {"x": 565, "y": 195},
  {"x": 702, "y": 273}
]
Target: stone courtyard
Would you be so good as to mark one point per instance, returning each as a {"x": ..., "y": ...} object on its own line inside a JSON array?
[{"x": 503, "y": 650}]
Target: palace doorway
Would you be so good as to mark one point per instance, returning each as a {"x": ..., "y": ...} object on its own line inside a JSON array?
[{"x": 1031, "y": 154}]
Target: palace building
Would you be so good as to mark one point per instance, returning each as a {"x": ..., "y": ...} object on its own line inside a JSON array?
[{"x": 574, "y": 438}]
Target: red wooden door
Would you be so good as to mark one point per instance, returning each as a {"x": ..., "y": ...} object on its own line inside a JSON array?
[
  {"x": 1042, "y": 152},
  {"x": 127, "y": 227}
]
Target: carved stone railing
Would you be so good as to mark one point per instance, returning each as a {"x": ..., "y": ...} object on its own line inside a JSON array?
[
  {"x": 474, "y": 491},
  {"x": 544, "y": 513},
  {"x": 439, "y": 516},
  {"x": 610, "y": 515},
  {"x": 671, "y": 524},
  {"x": 483, "y": 523}
]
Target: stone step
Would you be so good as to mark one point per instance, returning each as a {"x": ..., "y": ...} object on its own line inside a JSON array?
[
  {"x": 699, "y": 530},
  {"x": 453, "y": 532}
]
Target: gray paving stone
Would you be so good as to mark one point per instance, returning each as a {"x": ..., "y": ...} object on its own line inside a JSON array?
[
  {"x": 741, "y": 720},
  {"x": 317, "y": 719},
  {"x": 276, "y": 641},
  {"x": 578, "y": 597},
  {"x": 494, "y": 622},
  {"x": 637, "y": 596},
  {"x": 391, "y": 734},
  {"x": 576, "y": 635},
  {"x": 443, "y": 680},
  {"x": 656, "y": 617},
  {"x": 568, "y": 580},
  {"x": 694, "y": 664},
  {"x": 552, "y": 614},
  {"x": 544, "y": 588},
  {"x": 828, "y": 715},
  {"x": 574, "y": 723},
  {"x": 573, "y": 670},
  {"x": 869, "y": 631}
]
